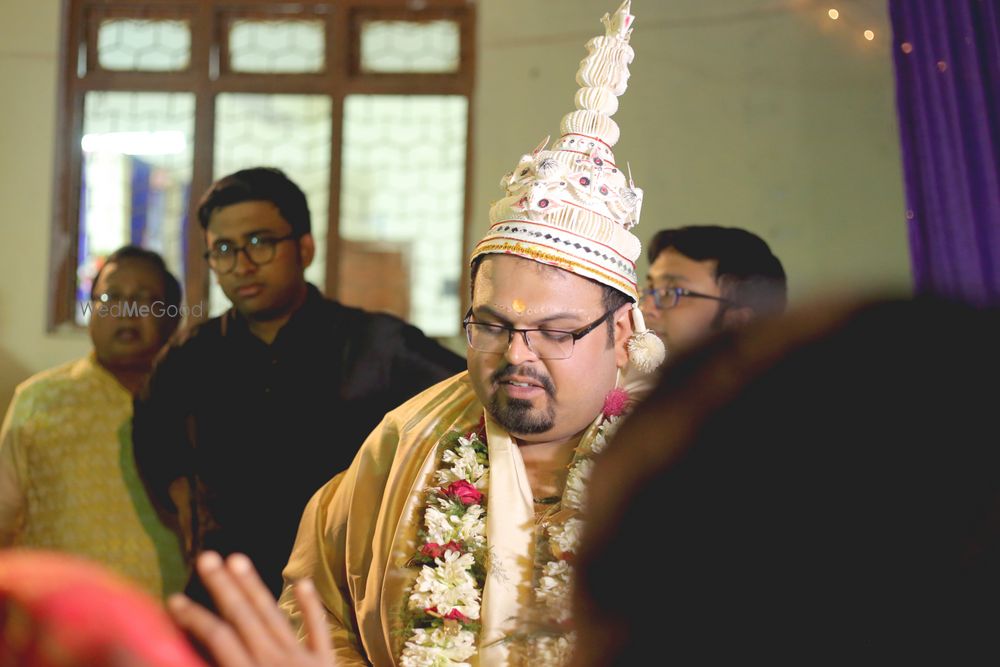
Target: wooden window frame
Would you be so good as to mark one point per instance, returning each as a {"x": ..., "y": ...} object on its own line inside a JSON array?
[{"x": 206, "y": 77}]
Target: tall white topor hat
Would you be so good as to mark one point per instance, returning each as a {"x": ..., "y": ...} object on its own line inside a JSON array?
[{"x": 573, "y": 205}]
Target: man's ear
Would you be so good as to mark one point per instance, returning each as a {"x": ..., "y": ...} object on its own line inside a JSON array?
[
  {"x": 737, "y": 317},
  {"x": 623, "y": 331},
  {"x": 307, "y": 250}
]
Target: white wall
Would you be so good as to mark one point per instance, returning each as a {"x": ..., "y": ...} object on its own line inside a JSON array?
[
  {"x": 29, "y": 51},
  {"x": 770, "y": 120},
  {"x": 777, "y": 121}
]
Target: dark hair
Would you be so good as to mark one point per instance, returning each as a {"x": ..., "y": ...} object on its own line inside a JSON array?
[
  {"x": 171, "y": 288},
  {"x": 611, "y": 299},
  {"x": 825, "y": 485},
  {"x": 747, "y": 272},
  {"x": 258, "y": 184}
]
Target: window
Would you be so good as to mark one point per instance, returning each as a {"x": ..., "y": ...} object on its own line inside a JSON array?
[{"x": 364, "y": 103}]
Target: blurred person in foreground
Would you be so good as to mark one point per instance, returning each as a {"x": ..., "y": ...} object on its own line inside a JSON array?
[
  {"x": 820, "y": 489},
  {"x": 59, "y": 610}
]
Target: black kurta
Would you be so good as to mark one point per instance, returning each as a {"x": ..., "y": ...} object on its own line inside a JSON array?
[{"x": 260, "y": 427}]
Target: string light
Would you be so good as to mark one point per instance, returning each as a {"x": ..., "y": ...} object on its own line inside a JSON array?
[
  {"x": 735, "y": 17},
  {"x": 854, "y": 19}
]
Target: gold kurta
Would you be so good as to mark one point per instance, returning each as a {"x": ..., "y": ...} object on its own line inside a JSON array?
[
  {"x": 68, "y": 480},
  {"x": 359, "y": 530}
]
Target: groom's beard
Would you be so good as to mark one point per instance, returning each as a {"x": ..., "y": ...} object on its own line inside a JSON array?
[{"x": 518, "y": 415}]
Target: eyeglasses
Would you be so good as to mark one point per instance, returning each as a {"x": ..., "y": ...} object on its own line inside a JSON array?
[
  {"x": 258, "y": 249},
  {"x": 668, "y": 297},
  {"x": 544, "y": 343}
]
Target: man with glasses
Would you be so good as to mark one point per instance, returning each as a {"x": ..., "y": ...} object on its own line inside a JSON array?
[
  {"x": 249, "y": 413},
  {"x": 67, "y": 481},
  {"x": 706, "y": 278},
  {"x": 451, "y": 538}
]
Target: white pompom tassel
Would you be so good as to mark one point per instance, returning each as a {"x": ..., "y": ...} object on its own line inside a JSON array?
[{"x": 645, "y": 349}]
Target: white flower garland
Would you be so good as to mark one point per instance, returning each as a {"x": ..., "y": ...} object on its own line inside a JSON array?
[
  {"x": 554, "y": 591},
  {"x": 444, "y": 603}
]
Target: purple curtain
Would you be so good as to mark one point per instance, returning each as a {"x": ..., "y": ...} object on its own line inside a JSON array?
[{"x": 947, "y": 62}]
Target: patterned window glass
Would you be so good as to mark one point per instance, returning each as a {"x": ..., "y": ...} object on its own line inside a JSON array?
[
  {"x": 290, "y": 132},
  {"x": 277, "y": 47},
  {"x": 137, "y": 159},
  {"x": 403, "y": 190},
  {"x": 173, "y": 95},
  {"x": 409, "y": 46},
  {"x": 144, "y": 45}
]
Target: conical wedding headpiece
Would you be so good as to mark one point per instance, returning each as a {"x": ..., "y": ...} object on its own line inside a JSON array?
[{"x": 573, "y": 205}]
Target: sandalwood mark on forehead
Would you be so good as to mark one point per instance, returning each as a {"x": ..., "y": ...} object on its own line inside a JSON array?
[{"x": 518, "y": 307}]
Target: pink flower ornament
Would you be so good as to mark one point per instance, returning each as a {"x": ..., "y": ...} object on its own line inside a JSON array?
[{"x": 615, "y": 402}]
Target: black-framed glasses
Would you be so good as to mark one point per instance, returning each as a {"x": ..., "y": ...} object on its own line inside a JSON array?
[
  {"x": 544, "y": 343},
  {"x": 668, "y": 297},
  {"x": 259, "y": 249}
]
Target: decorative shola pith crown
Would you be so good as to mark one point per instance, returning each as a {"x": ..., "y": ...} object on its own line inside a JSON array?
[{"x": 573, "y": 205}]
